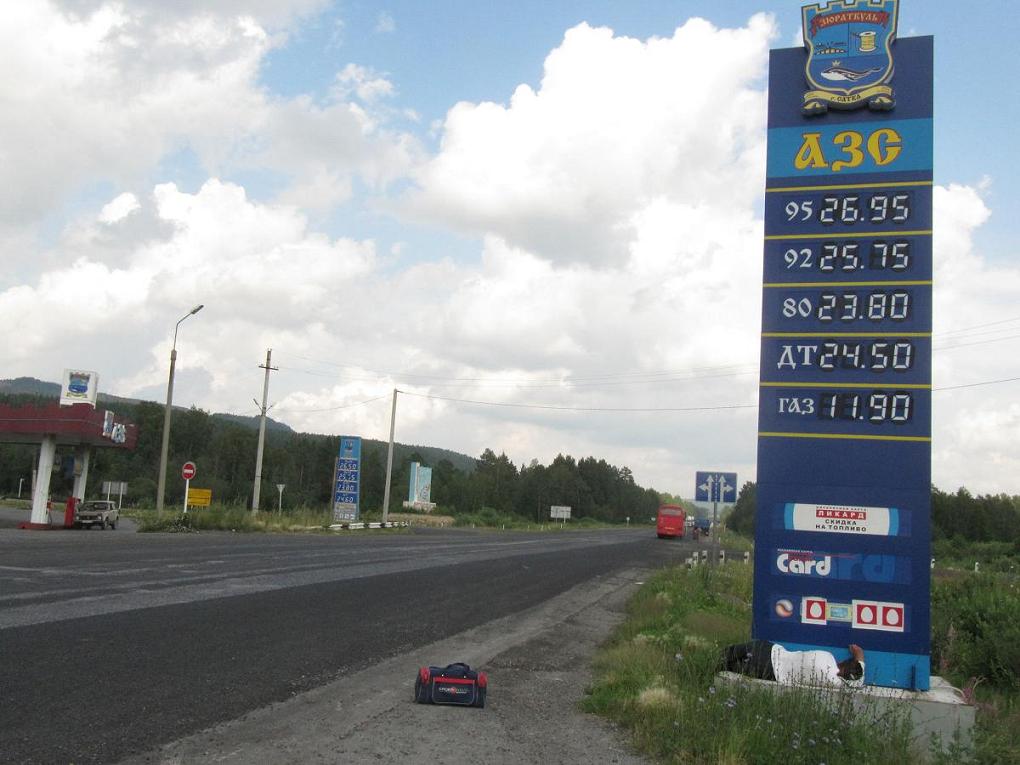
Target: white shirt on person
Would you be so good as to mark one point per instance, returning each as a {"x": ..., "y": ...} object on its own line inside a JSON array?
[{"x": 809, "y": 668}]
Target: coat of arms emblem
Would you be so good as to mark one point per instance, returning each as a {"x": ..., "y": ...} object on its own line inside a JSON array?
[{"x": 849, "y": 55}]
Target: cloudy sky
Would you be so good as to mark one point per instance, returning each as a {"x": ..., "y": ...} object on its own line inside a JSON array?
[{"x": 532, "y": 218}]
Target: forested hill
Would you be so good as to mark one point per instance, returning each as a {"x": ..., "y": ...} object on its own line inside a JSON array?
[
  {"x": 29, "y": 386},
  {"x": 224, "y": 446}
]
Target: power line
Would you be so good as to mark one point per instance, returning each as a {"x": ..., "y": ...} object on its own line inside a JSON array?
[
  {"x": 582, "y": 408},
  {"x": 554, "y": 407},
  {"x": 979, "y": 342},
  {"x": 980, "y": 326},
  {"x": 691, "y": 373},
  {"x": 333, "y": 408},
  {"x": 609, "y": 379},
  {"x": 975, "y": 385}
]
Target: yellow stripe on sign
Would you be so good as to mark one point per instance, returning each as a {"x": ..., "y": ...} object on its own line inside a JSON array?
[
  {"x": 897, "y": 184},
  {"x": 846, "y": 334},
  {"x": 873, "y": 386},
  {"x": 845, "y": 235},
  {"x": 845, "y": 436},
  {"x": 924, "y": 283}
]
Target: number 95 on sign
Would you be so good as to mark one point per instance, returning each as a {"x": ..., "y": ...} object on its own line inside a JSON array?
[{"x": 802, "y": 212}]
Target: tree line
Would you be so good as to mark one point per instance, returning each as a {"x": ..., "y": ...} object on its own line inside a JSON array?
[
  {"x": 960, "y": 515},
  {"x": 224, "y": 451}
]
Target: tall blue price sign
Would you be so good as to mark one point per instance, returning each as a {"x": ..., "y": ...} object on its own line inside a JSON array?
[
  {"x": 347, "y": 480},
  {"x": 844, "y": 441}
]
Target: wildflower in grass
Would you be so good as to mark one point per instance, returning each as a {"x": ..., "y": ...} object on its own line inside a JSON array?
[
  {"x": 701, "y": 699},
  {"x": 731, "y": 702},
  {"x": 711, "y": 689},
  {"x": 811, "y": 742}
]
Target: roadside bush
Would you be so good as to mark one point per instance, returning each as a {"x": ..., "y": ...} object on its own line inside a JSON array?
[
  {"x": 993, "y": 556},
  {"x": 492, "y": 518},
  {"x": 170, "y": 522},
  {"x": 657, "y": 679},
  {"x": 232, "y": 518},
  {"x": 976, "y": 628}
]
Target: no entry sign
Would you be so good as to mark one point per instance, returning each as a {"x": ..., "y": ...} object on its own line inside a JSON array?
[{"x": 188, "y": 471}]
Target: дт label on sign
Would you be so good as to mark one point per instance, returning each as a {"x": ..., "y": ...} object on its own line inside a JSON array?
[{"x": 844, "y": 452}]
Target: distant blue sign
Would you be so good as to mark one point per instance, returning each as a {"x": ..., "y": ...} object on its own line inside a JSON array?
[
  {"x": 347, "y": 480},
  {"x": 715, "y": 487}
]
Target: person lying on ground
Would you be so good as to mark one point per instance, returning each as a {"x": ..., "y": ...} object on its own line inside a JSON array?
[{"x": 766, "y": 660}]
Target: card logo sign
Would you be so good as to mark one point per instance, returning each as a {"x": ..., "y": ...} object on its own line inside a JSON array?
[
  {"x": 837, "y": 519},
  {"x": 798, "y": 562},
  {"x": 347, "y": 480},
  {"x": 843, "y": 566},
  {"x": 842, "y": 535},
  {"x": 850, "y": 55}
]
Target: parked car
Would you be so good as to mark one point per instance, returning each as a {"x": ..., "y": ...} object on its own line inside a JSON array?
[{"x": 96, "y": 512}]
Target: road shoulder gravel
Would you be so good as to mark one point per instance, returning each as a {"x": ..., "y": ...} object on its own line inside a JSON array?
[{"x": 538, "y": 663}]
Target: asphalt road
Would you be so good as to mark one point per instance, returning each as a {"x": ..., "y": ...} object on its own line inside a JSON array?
[{"x": 113, "y": 643}]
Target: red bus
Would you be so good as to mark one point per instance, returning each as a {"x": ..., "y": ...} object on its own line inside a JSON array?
[{"x": 671, "y": 522}]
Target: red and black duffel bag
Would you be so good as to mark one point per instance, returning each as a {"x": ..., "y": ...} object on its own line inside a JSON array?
[{"x": 453, "y": 684}]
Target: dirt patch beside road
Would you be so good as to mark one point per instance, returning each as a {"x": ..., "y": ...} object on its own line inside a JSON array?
[{"x": 538, "y": 667}]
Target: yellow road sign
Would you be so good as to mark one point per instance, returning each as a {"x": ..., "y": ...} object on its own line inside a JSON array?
[{"x": 199, "y": 497}]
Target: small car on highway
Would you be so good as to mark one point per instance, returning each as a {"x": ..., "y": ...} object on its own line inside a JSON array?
[{"x": 96, "y": 512}]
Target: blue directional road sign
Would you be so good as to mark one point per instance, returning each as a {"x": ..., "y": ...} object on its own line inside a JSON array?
[{"x": 715, "y": 487}]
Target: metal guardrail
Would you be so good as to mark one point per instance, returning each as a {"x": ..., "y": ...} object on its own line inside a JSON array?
[{"x": 372, "y": 525}]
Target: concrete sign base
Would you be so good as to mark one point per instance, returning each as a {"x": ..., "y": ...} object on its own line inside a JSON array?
[{"x": 939, "y": 711}]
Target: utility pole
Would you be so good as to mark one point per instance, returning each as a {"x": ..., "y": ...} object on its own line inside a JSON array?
[
  {"x": 164, "y": 449},
  {"x": 262, "y": 433},
  {"x": 389, "y": 460}
]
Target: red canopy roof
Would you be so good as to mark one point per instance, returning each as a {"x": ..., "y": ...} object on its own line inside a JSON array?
[{"x": 75, "y": 425}]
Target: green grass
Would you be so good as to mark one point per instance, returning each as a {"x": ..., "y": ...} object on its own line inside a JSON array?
[
  {"x": 976, "y": 629},
  {"x": 490, "y": 518},
  {"x": 656, "y": 678},
  {"x": 230, "y": 518},
  {"x": 240, "y": 519},
  {"x": 992, "y": 557}
]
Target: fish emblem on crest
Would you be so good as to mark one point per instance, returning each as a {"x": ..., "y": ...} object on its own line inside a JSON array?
[{"x": 849, "y": 55}]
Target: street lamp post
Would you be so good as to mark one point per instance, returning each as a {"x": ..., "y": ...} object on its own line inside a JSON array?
[{"x": 161, "y": 484}]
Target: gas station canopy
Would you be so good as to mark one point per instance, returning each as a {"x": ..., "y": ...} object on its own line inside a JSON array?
[{"x": 77, "y": 425}]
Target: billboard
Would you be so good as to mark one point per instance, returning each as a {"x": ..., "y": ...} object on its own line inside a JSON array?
[
  {"x": 420, "y": 489},
  {"x": 844, "y": 429},
  {"x": 79, "y": 387},
  {"x": 347, "y": 480}
]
